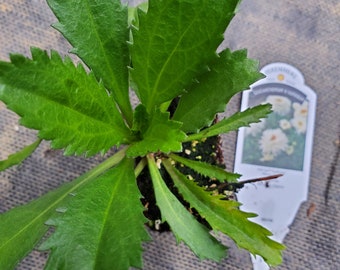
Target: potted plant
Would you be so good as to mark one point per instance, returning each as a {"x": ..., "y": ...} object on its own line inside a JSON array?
[{"x": 164, "y": 51}]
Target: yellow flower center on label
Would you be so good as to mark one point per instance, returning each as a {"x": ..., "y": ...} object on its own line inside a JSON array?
[{"x": 280, "y": 77}]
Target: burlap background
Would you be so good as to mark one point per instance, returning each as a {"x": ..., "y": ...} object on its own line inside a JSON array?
[{"x": 305, "y": 34}]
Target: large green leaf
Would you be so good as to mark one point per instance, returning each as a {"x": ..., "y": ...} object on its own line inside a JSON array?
[
  {"x": 23, "y": 227},
  {"x": 224, "y": 216},
  {"x": 103, "y": 225},
  {"x": 99, "y": 32},
  {"x": 206, "y": 169},
  {"x": 19, "y": 157},
  {"x": 67, "y": 105},
  {"x": 161, "y": 134},
  {"x": 228, "y": 75},
  {"x": 182, "y": 223},
  {"x": 174, "y": 43},
  {"x": 234, "y": 122}
]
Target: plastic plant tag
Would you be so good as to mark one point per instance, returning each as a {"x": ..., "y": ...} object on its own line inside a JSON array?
[{"x": 279, "y": 144}]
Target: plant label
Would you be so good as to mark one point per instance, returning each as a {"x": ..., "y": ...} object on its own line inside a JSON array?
[{"x": 279, "y": 144}]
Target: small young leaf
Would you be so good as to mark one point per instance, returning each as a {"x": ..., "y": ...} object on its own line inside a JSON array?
[
  {"x": 206, "y": 169},
  {"x": 224, "y": 216},
  {"x": 162, "y": 135},
  {"x": 67, "y": 105},
  {"x": 19, "y": 157},
  {"x": 173, "y": 60},
  {"x": 141, "y": 119},
  {"x": 23, "y": 227},
  {"x": 182, "y": 223},
  {"x": 228, "y": 75},
  {"x": 99, "y": 33},
  {"x": 234, "y": 122},
  {"x": 103, "y": 226},
  {"x": 133, "y": 13}
]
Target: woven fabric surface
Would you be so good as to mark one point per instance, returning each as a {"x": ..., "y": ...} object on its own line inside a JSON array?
[{"x": 305, "y": 34}]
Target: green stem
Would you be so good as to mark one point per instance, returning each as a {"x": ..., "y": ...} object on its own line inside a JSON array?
[
  {"x": 196, "y": 137},
  {"x": 108, "y": 163},
  {"x": 140, "y": 166},
  {"x": 99, "y": 169}
]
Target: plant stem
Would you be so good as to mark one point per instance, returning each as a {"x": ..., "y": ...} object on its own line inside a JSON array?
[
  {"x": 108, "y": 163},
  {"x": 195, "y": 137},
  {"x": 100, "y": 169},
  {"x": 140, "y": 166}
]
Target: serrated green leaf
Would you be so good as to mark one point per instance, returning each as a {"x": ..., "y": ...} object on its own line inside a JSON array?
[
  {"x": 173, "y": 60},
  {"x": 103, "y": 225},
  {"x": 234, "y": 122},
  {"x": 162, "y": 134},
  {"x": 224, "y": 216},
  {"x": 64, "y": 103},
  {"x": 19, "y": 157},
  {"x": 206, "y": 169},
  {"x": 228, "y": 75},
  {"x": 23, "y": 227},
  {"x": 99, "y": 32},
  {"x": 182, "y": 223}
]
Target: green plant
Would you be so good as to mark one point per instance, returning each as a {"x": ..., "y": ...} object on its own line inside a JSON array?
[{"x": 166, "y": 52}]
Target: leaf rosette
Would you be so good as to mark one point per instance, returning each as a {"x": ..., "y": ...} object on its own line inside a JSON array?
[{"x": 164, "y": 51}]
